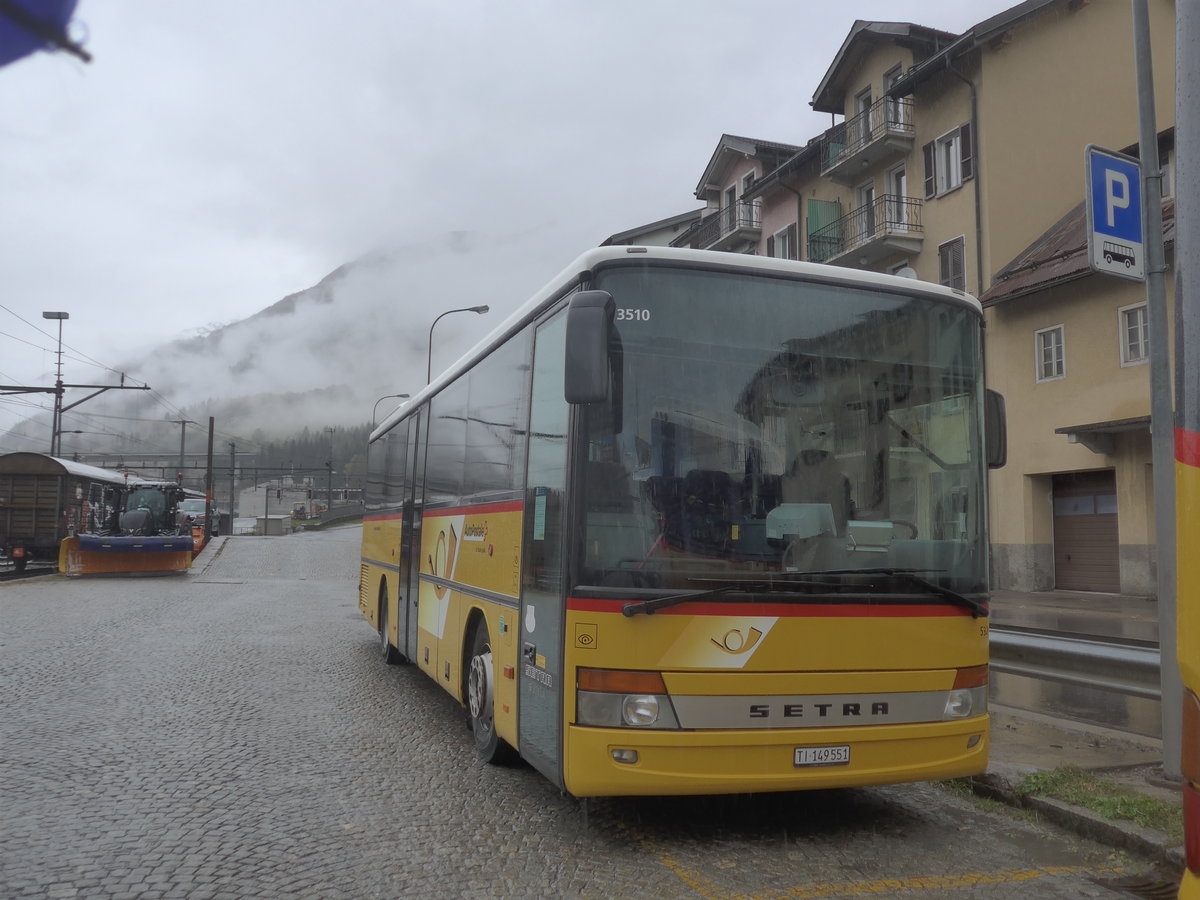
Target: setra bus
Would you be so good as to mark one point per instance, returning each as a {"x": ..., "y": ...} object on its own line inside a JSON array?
[
  {"x": 1187, "y": 594},
  {"x": 1187, "y": 630},
  {"x": 693, "y": 522}
]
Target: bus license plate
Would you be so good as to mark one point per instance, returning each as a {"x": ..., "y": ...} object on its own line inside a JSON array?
[{"x": 823, "y": 756}]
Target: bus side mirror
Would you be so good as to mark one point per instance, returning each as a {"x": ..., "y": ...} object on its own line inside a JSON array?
[
  {"x": 995, "y": 429},
  {"x": 588, "y": 320}
]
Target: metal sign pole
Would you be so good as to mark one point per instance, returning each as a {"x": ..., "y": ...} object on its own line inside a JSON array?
[{"x": 1162, "y": 431}]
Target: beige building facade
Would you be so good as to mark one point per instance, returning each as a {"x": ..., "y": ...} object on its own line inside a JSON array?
[{"x": 960, "y": 158}]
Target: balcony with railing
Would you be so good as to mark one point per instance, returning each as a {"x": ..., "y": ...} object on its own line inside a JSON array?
[
  {"x": 729, "y": 225},
  {"x": 880, "y": 134},
  {"x": 889, "y": 224}
]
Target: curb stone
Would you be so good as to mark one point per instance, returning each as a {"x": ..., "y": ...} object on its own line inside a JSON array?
[{"x": 1121, "y": 834}]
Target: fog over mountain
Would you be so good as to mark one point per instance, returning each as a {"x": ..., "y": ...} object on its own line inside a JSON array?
[{"x": 319, "y": 357}]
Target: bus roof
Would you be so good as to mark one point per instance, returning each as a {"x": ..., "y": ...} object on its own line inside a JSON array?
[{"x": 709, "y": 259}]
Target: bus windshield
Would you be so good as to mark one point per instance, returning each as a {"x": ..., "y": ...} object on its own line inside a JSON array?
[{"x": 762, "y": 428}]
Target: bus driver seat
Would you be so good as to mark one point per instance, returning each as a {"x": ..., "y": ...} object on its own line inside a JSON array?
[{"x": 814, "y": 477}]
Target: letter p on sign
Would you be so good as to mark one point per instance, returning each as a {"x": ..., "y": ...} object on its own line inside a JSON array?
[{"x": 1116, "y": 191}]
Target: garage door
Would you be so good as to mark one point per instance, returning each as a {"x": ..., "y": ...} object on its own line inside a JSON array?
[{"x": 1086, "y": 547}]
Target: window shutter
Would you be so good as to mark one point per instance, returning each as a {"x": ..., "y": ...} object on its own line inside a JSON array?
[
  {"x": 822, "y": 213},
  {"x": 793, "y": 241},
  {"x": 966, "y": 152},
  {"x": 958, "y": 266},
  {"x": 930, "y": 172},
  {"x": 770, "y": 245},
  {"x": 952, "y": 265}
]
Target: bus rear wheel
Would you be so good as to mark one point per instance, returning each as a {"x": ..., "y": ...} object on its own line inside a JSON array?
[
  {"x": 390, "y": 654},
  {"x": 481, "y": 700}
]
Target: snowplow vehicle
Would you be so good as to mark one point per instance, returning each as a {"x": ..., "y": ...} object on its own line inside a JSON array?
[
  {"x": 149, "y": 536},
  {"x": 88, "y": 519}
]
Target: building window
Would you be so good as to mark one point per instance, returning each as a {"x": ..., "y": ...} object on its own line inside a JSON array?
[
  {"x": 1051, "y": 356},
  {"x": 862, "y": 118},
  {"x": 783, "y": 244},
  {"x": 949, "y": 161},
  {"x": 897, "y": 112},
  {"x": 1135, "y": 334},
  {"x": 748, "y": 181},
  {"x": 952, "y": 264}
]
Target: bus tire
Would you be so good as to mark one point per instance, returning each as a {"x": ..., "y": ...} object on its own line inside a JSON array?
[
  {"x": 481, "y": 700},
  {"x": 390, "y": 654}
]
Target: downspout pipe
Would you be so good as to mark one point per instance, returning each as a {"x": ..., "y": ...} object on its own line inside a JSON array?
[
  {"x": 978, "y": 190},
  {"x": 799, "y": 217}
]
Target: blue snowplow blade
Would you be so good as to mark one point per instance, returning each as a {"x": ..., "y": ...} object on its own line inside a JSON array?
[{"x": 135, "y": 543}]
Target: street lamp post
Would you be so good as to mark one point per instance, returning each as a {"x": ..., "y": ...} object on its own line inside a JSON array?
[
  {"x": 429, "y": 357},
  {"x": 55, "y": 428},
  {"x": 329, "y": 465},
  {"x": 381, "y": 399}
]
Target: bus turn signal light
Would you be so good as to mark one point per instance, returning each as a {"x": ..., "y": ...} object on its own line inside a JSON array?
[
  {"x": 976, "y": 676},
  {"x": 617, "y": 681}
]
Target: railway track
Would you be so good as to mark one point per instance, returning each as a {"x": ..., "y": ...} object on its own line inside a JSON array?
[{"x": 8, "y": 574}]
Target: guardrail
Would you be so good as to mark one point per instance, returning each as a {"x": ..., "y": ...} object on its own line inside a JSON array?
[{"x": 1121, "y": 668}]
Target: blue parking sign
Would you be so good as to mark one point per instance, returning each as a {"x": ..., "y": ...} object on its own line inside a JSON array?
[{"x": 1115, "y": 224}]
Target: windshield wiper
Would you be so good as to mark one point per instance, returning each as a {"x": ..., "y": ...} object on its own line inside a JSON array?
[
  {"x": 731, "y": 585},
  {"x": 977, "y": 609},
  {"x": 649, "y": 606},
  {"x": 913, "y": 577}
]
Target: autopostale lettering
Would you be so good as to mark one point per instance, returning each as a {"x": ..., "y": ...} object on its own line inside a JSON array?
[{"x": 875, "y": 709}]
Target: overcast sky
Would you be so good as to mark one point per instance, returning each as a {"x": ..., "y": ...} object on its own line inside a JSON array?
[{"x": 217, "y": 156}]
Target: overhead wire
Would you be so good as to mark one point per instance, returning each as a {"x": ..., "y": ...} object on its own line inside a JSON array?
[{"x": 83, "y": 357}]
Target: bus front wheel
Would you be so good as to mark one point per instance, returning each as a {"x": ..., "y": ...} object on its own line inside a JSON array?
[{"x": 481, "y": 700}]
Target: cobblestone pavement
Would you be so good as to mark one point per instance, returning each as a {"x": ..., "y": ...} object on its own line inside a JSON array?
[{"x": 232, "y": 733}]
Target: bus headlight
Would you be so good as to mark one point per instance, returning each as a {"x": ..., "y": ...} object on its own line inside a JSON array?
[
  {"x": 640, "y": 710},
  {"x": 611, "y": 698},
  {"x": 962, "y": 703},
  {"x": 624, "y": 710}
]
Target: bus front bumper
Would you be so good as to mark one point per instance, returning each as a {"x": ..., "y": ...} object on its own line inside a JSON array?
[{"x": 608, "y": 762}]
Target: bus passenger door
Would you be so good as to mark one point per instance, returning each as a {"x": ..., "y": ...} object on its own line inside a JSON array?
[
  {"x": 410, "y": 540},
  {"x": 540, "y": 677}
]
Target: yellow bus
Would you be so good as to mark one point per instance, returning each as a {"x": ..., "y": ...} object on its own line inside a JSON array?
[
  {"x": 1187, "y": 624},
  {"x": 700, "y": 523}
]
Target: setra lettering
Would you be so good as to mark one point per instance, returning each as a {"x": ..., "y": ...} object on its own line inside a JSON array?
[{"x": 876, "y": 709}]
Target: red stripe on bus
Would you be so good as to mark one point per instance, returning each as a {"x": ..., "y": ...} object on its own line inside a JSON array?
[
  {"x": 782, "y": 610},
  {"x": 1187, "y": 447},
  {"x": 481, "y": 509},
  {"x": 478, "y": 509}
]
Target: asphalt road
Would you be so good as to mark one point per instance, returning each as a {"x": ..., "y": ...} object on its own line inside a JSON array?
[{"x": 232, "y": 733}]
